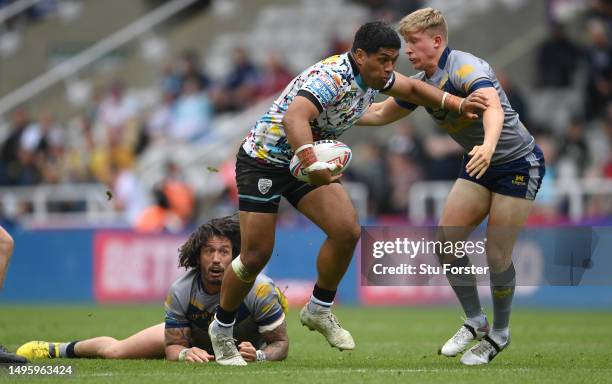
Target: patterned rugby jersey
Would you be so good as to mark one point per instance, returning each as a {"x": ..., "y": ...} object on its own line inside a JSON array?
[
  {"x": 460, "y": 74},
  {"x": 335, "y": 87},
  {"x": 189, "y": 305}
]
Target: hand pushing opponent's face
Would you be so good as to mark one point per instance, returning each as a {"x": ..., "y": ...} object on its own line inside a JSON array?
[{"x": 215, "y": 257}]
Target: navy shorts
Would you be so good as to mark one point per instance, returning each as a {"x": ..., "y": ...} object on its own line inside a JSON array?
[
  {"x": 519, "y": 178},
  {"x": 261, "y": 185}
]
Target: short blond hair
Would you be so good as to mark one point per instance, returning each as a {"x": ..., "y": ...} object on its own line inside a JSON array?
[{"x": 424, "y": 20}]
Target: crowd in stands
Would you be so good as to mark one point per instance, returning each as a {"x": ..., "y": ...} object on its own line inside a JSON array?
[
  {"x": 104, "y": 143},
  {"x": 114, "y": 130}
]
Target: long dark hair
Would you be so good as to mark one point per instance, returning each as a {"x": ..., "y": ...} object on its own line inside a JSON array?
[{"x": 228, "y": 226}]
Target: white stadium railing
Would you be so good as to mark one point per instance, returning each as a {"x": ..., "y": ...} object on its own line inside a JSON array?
[
  {"x": 574, "y": 190},
  {"x": 97, "y": 207},
  {"x": 98, "y": 210}
]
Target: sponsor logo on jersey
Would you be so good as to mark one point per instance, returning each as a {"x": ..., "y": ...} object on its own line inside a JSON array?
[
  {"x": 519, "y": 180},
  {"x": 324, "y": 90}
]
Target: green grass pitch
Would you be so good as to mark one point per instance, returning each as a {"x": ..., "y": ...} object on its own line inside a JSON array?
[{"x": 393, "y": 345}]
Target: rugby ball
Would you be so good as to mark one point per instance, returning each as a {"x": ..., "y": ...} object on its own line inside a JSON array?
[{"x": 329, "y": 151}]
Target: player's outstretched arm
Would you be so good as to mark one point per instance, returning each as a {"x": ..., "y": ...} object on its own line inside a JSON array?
[
  {"x": 492, "y": 120},
  {"x": 420, "y": 93},
  {"x": 177, "y": 347},
  {"x": 6, "y": 250},
  {"x": 383, "y": 113}
]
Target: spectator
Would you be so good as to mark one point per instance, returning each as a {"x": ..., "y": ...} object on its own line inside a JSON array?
[
  {"x": 404, "y": 142},
  {"x": 158, "y": 217},
  {"x": 115, "y": 112},
  {"x": 599, "y": 82},
  {"x": 403, "y": 172},
  {"x": 574, "y": 149},
  {"x": 10, "y": 168},
  {"x": 338, "y": 46},
  {"x": 189, "y": 68},
  {"x": 180, "y": 196},
  {"x": 444, "y": 157},
  {"x": 370, "y": 168},
  {"x": 557, "y": 60},
  {"x": 405, "y": 154},
  {"x": 171, "y": 81},
  {"x": 160, "y": 119},
  {"x": 275, "y": 77},
  {"x": 43, "y": 142},
  {"x": 128, "y": 198},
  {"x": 192, "y": 113},
  {"x": 241, "y": 84},
  {"x": 42, "y": 136},
  {"x": 515, "y": 97}
]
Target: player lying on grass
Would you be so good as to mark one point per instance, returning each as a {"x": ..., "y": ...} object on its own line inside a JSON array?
[
  {"x": 6, "y": 251},
  {"x": 261, "y": 330},
  {"x": 499, "y": 178},
  {"x": 321, "y": 103}
]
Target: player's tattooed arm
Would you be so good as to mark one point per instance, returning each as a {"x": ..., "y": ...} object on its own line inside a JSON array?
[
  {"x": 277, "y": 342},
  {"x": 176, "y": 340},
  {"x": 383, "y": 113}
]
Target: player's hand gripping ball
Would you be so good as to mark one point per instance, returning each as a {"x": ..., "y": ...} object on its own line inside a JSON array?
[{"x": 328, "y": 151}]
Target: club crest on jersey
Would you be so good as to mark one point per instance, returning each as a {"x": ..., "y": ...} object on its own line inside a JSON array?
[{"x": 264, "y": 185}]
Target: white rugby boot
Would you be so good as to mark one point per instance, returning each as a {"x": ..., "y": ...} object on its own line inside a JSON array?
[
  {"x": 468, "y": 332},
  {"x": 326, "y": 323},
  {"x": 224, "y": 346},
  {"x": 484, "y": 351}
]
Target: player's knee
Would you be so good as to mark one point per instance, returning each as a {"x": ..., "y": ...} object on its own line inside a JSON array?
[
  {"x": 496, "y": 256},
  {"x": 353, "y": 233},
  {"x": 112, "y": 350},
  {"x": 441, "y": 238},
  {"x": 347, "y": 233},
  {"x": 254, "y": 261}
]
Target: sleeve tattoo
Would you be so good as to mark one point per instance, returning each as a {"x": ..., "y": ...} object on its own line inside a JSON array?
[
  {"x": 277, "y": 343},
  {"x": 178, "y": 336}
]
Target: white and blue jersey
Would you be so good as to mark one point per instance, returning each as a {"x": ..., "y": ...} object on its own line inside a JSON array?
[{"x": 334, "y": 86}]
